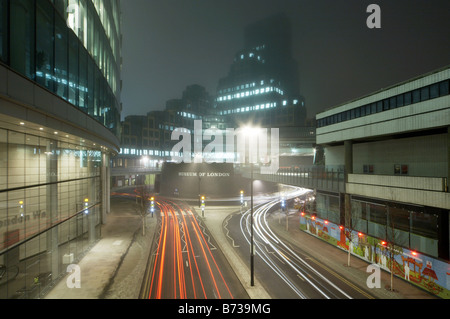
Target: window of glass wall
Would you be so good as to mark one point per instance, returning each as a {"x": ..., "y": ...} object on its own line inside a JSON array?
[
  {"x": 22, "y": 37},
  {"x": 4, "y": 31},
  {"x": 406, "y": 227},
  {"x": 50, "y": 197},
  {"x": 44, "y": 44},
  {"x": 328, "y": 207},
  {"x": 61, "y": 59}
]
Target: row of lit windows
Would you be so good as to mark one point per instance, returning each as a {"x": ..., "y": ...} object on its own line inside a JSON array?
[
  {"x": 243, "y": 86},
  {"x": 252, "y": 55},
  {"x": 140, "y": 152},
  {"x": 419, "y": 95},
  {"x": 189, "y": 115},
  {"x": 249, "y": 108},
  {"x": 257, "y": 107},
  {"x": 250, "y": 93},
  {"x": 171, "y": 128}
]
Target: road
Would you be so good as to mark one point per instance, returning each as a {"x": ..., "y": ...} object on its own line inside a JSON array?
[
  {"x": 185, "y": 263},
  {"x": 286, "y": 271}
]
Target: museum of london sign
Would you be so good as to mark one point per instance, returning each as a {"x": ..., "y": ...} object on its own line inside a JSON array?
[{"x": 204, "y": 174}]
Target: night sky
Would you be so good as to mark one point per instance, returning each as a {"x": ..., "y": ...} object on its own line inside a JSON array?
[{"x": 170, "y": 44}]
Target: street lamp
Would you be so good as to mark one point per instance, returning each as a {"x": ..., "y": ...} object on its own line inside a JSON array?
[
  {"x": 152, "y": 205},
  {"x": 252, "y": 250},
  {"x": 251, "y": 132},
  {"x": 203, "y": 206},
  {"x": 242, "y": 200}
]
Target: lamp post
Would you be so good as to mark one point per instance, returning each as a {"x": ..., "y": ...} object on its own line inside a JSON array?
[
  {"x": 203, "y": 206},
  {"x": 152, "y": 205},
  {"x": 252, "y": 132},
  {"x": 252, "y": 251}
]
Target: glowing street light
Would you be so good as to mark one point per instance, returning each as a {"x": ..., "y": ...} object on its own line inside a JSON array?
[
  {"x": 203, "y": 205},
  {"x": 86, "y": 204},
  {"x": 152, "y": 205}
]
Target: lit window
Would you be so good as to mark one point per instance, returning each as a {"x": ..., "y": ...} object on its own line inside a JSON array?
[{"x": 284, "y": 103}]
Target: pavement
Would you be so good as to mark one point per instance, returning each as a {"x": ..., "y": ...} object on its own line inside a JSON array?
[{"x": 115, "y": 266}]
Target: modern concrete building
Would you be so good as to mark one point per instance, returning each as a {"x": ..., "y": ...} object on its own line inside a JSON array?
[
  {"x": 59, "y": 125},
  {"x": 394, "y": 149}
]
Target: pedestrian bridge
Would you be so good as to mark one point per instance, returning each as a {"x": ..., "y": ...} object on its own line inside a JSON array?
[{"x": 312, "y": 177}]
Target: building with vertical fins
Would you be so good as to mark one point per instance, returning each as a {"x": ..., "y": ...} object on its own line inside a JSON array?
[{"x": 60, "y": 66}]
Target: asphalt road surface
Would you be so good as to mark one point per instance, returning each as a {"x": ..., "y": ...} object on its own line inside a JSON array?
[
  {"x": 185, "y": 262},
  {"x": 287, "y": 272}
]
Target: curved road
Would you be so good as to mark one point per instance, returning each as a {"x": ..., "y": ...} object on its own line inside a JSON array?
[{"x": 286, "y": 272}]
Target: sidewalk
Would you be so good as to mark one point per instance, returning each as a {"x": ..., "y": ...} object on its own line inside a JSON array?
[{"x": 114, "y": 267}]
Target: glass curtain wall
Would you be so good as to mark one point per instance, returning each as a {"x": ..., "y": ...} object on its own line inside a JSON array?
[
  {"x": 413, "y": 228},
  {"x": 50, "y": 210},
  {"x": 62, "y": 45}
]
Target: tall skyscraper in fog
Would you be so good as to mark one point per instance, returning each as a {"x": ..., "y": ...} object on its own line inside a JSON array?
[{"x": 263, "y": 82}]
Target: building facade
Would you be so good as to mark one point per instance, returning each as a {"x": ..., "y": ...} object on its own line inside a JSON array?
[
  {"x": 262, "y": 86},
  {"x": 394, "y": 149},
  {"x": 261, "y": 89},
  {"x": 59, "y": 125}
]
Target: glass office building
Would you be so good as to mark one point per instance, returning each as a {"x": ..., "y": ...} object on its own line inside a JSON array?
[{"x": 59, "y": 125}]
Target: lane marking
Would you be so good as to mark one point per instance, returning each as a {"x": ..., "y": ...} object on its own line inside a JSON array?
[{"x": 350, "y": 284}]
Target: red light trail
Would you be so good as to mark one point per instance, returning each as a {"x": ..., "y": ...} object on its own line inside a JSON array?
[{"x": 184, "y": 265}]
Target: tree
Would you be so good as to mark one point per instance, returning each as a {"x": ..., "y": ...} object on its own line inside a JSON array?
[
  {"x": 142, "y": 204},
  {"x": 393, "y": 238},
  {"x": 349, "y": 224}
]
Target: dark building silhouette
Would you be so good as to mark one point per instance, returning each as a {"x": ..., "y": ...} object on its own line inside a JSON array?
[{"x": 262, "y": 85}]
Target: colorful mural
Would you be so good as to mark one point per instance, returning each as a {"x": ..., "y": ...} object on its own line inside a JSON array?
[{"x": 425, "y": 272}]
